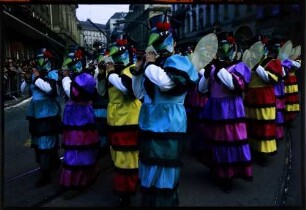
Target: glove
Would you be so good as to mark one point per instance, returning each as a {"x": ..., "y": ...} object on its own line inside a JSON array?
[
  {"x": 218, "y": 64},
  {"x": 208, "y": 69},
  {"x": 265, "y": 61},
  {"x": 255, "y": 67}
]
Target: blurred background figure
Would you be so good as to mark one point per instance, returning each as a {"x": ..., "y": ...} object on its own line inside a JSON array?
[
  {"x": 292, "y": 98},
  {"x": 100, "y": 102}
]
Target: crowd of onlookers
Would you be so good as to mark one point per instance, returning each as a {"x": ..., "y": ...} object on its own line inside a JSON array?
[{"x": 13, "y": 72}]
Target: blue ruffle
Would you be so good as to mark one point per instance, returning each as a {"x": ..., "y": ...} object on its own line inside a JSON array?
[
  {"x": 101, "y": 113},
  {"x": 163, "y": 118},
  {"x": 43, "y": 108},
  {"x": 159, "y": 177},
  {"x": 45, "y": 142}
]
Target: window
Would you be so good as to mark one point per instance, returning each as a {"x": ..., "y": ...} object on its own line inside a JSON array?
[
  {"x": 194, "y": 21},
  {"x": 237, "y": 11},
  {"x": 201, "y": 18},
  {"x": 216, "y": 13},
  {"x": 249, "y": 8},
  {"x": 225, "y": 12},
  {"x": 208, "y": 15}
]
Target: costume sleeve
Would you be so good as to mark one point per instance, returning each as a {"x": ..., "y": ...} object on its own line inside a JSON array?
[
  {"x": 101, "y": 87},
  {"x": 43, "y": 85},
  {"x": 262, "y": 73},
  {"x": 23, "y": 86},
  {"x": 117, "y": 81},
  {"x": 283, "y": 72},
  {"x": 96, "y": 72},
  {"x": 226, "y": 78},
  {"x": 137, "y": 85},
  {"x": 296, "y": 64},
  {"x": 203, "y": 85},
  {"x": 159, "y": 77},
  {"x": 66, "y": 83}
]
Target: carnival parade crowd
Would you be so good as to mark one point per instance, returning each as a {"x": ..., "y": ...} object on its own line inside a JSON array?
[{"x": 139, "y": 107}]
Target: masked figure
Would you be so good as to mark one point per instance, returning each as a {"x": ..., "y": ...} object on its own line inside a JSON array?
[
  {"x": 122, "y": 120},
  {"x": 162, "y": 81},
  {"x": 260, "y": 105},
  {"x": 44, "y": 114},
  {"x": 80, "y": 137},
  {"x": 292, "y": 100},
  {"x": 224, "y": 132}
]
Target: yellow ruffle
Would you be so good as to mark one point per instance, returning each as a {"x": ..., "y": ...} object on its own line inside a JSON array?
[
  {"x": 126, "y": 113},
  {"x": 125, "y": 159},
  {"x": 260, "y": 113},
  {"x": 292, "y": 107},
  {"x": 291, "y": 88},
  {"x": 266, "y": 146}
]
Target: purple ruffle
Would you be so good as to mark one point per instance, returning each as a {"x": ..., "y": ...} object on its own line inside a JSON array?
[
  {"x": 80, "y": 178},
  {"x": 279, "y": 89},
  {"x": 77, "y": 115},
  {"x": 225, "y": 154},
  {"x": 279, "y": 117},
  {"x": 80, "y": 157},
  {"x": 80, "y": 137},
  {"x": 223, "y": 109},
  {"x": 224, "y": 132},
  {"x": 238, "y": 171}
]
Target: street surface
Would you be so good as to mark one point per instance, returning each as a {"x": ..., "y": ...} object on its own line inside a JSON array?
[{"x": 270, "y": 186}]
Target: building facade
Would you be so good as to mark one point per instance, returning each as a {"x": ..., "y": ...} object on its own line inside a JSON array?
[
  {"x": 93, "y": 36},
  {"x": 245, "y": 21},
  {"x": 112, "y": 27},
  {"x": 25, "y": 29},
  {"x": 192, "y": 21}
]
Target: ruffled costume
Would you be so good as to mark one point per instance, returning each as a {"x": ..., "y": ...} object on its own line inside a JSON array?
[
  {"x": 163, "y": 127},
  {"x": 80, "y": 137},
  {"x": 222, "y": 123},
  {"x": 292, "y": 100},
  {"x": 122, "y": 120},
  {"x": 260, "y": 107},
  {"x": 44, "y": 116}
]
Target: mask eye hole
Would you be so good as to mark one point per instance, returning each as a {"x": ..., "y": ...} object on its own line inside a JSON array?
[
  {"x": 46, "y": 59},
  {"x": 164, "y": 33}
]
